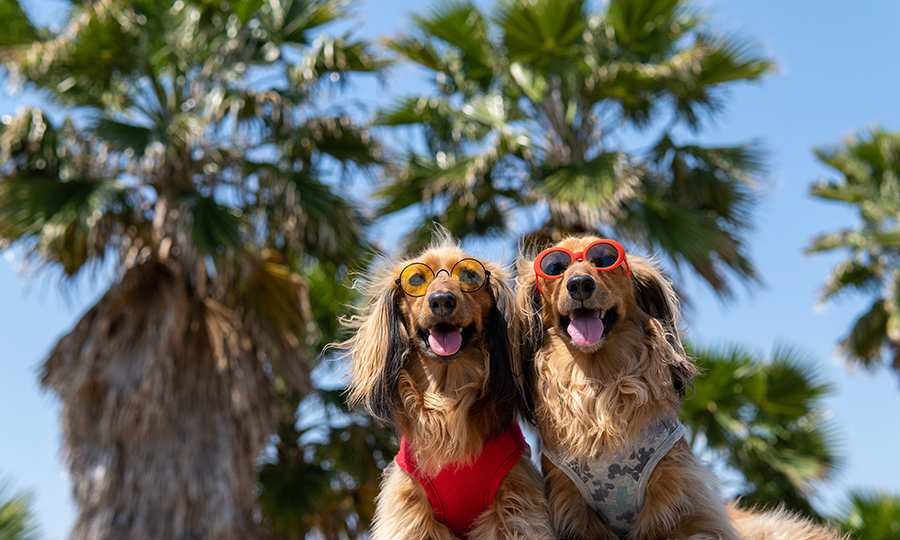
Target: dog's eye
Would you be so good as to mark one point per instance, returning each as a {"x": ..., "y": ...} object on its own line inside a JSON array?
[
  {"x": 602, "y": 255},
  {"x": 469, "y": 277},
  {"x": 555, "y": 263},
  {"x": 470, "y": 274},
  {"x": 414, "y": 279}
]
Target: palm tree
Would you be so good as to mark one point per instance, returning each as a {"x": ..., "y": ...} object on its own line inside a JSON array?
[
  {"x": 533, "y": 110},
  {"x": 868, "y": 166},
  {"x": 187, "y": 157},
  {"x": 763, "y": 419},
  {"x": 17, "y": 521},
  {"x": 872, "y": 516}
]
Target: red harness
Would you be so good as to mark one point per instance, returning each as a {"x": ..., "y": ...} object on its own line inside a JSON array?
[{"x": 459, "y": 495}]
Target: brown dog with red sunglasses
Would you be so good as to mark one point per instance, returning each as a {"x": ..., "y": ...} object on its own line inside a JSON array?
[{"x": 609, "y": 375}]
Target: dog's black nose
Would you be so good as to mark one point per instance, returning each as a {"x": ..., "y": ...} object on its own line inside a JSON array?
[
  {"x": 442, "y": 303},
  {"x": 581, "y": 287}
]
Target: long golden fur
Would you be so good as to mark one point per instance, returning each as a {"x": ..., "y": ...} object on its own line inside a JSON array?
[
  {"x": 591, "y": 400},
  {"x": 445, "y": 408}
]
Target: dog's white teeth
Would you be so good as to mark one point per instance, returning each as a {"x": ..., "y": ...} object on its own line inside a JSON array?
[
  {"x": 603, "y": 314},
  {"x": 459, "y": 330}
]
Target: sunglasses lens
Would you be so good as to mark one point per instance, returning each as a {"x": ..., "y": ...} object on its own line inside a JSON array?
[
  {"x": 470, "y": 275},
  {"x": 602, "y": 255},
  {"x": 555, "y": 263},
  {"x": 414, "y": 279}
]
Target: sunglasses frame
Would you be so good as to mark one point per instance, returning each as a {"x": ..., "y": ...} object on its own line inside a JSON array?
[
  {"x": 579, "y": 256},
  {"x": 487, "y": 276}
]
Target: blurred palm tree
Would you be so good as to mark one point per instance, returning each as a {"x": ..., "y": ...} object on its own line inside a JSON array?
[
  {"x": 188, "y": 160},
  {"x": 764, "y": 419},
  {"x": 869, "y": 180},
  {"x": 872, "y": 516},
  {"x": 17, "y": 521},
  {"x": 536, "y": 108}
]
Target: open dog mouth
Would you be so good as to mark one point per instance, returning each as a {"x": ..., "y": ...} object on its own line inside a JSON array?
[
  {"x": 446, "y": 341},
  {"x": 586, "y": 327}
]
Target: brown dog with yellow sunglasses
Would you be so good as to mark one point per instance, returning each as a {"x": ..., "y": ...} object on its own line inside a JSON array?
[{"x": 434, "y": 354}]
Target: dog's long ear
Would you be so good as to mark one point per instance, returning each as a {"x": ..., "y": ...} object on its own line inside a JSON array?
[
  {"x": 376, "y": 352},
  {"x": 528, "y": 309},
  {"x": 657, "y": 300},
  {"x": 529, "y": 306},
  {"x": 505, "y": 387}
]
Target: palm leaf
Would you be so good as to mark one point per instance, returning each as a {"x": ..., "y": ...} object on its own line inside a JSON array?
[
  {"x": 461, "y": 25},
  {"x": 17, "y": 519},
  {"x": 648, "y": 28},
  {"x": 289, "y": 21},
  {"x": 596, "y": 183},
  {"x": 123, "y": 136},
  {"x": 336, "y": 56},
  {"x": 69, "y": 223},
  {"x": 871, "y": 515},
  {"x": 764, "y": 419},
  {"x": 15, "y": 28},
  {"x": 853, "y": 275},
  {"x": 868, "y": 335},
  {"x": 541, "y": 33},
  {"x": 215, "y": 229},
  {"x": 412, "y": 110},
  {"x": 422, "y": 53},
  {"x": 693, "y": 77},
  {"x": 339, "y": 137}
]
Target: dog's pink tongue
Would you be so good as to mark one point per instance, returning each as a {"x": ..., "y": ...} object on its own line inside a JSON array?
[
  {"x": 586, "y": 328},
  {"x": 443, "y": 342}
]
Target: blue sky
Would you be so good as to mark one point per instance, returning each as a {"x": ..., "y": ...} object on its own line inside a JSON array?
[{"x": 839, "y": 72}]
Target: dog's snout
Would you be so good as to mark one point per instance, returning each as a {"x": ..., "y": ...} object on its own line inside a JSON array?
[
  {"x": 442, "y": 303},
  {"x": 581, "y": 287}
]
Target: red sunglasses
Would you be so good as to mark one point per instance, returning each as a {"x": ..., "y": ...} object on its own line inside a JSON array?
[{"x": 603, "y": 255}]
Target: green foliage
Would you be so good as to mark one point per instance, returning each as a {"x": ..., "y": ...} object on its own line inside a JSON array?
[
  {"x": 872, "y": 516},
  {"x": 524, "y": 113},
  {"x": 325, "y": 473},
  {"x": 17, "y": 520},
  {"x": 868, "y": 169},
  {"x": 765, "y": 420}
]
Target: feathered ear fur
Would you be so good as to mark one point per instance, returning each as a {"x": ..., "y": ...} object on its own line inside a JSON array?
[
  {"x": 657, "y": 299},
  {"x": 376, "y": 352},
  {"x": 528, "y": 306},
  {"x": 506, "y": 385}
]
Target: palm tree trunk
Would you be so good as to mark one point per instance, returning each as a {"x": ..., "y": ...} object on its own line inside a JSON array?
[{"x": 165, "y": 410}]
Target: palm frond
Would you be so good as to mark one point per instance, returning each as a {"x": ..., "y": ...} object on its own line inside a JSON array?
[
  {"x": 70, "y": 223},
  {"x": 648, "y": 28},
  {"x": 460, "y": 24},
  {"x": 215, "y": 229},
  {"x": 597, "y": 184},
  {"x": 335, "y": 57},
  {"x": 15, "y": 27},
  {"x": 765, "y": 419},
  {"x": 693, "y": 77},
  {"x": 17, "y": 519},
  {"x": 541, "y": 33},
  {"x": 124, "y": 136},
  {"x": 872, "y": 515},
  {"x": 290, "y": 21},
  {"x": 853, "y": 275},
  {"x": 421, "y": 52},
  {"x": 868, "y": 335}
]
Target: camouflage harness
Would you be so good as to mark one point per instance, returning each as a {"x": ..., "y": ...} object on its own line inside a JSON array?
[{"x": 613, "y": 485}]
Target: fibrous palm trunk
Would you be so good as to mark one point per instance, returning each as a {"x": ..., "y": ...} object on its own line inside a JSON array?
[{"x": 166, "y": 407}]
